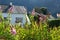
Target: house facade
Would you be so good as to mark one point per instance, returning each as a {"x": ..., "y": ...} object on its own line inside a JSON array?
[
  {"x": 18, "y": 14},
  {"x": 16, "y": 18},
  {"x": 58, "y": 14}
]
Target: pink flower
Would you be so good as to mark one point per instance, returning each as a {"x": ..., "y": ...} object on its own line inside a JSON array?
[
  {"x": 33, "y": 12},
  {"x": 42, "y": 17},
  {"x": 13, "y": 30},
  {"x": 11, "y": 9}
]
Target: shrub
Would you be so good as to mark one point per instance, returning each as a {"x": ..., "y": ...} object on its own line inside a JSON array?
[
  {"x": 54, "y": 23},
  {"x": 30, "y": 32}
]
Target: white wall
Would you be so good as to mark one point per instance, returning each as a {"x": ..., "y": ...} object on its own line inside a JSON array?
[{"x": 13, "y": 16}]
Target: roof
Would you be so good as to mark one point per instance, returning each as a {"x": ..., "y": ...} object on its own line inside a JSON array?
[{"x": 16, "y": 9}]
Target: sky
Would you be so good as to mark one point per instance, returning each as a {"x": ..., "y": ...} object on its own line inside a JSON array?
[{"x": 52, "y": 5}]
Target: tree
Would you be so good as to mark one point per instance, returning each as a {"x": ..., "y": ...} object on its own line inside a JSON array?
[{"x": 41, "y": 10}]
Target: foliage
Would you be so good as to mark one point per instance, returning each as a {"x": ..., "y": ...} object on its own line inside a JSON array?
[
  {"x": 53, "y": 23},
  {"x": 29, "y": 32},
  {"x": 41, "y": 10}
]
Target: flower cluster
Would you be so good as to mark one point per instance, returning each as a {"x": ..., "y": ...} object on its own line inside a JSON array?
[
  {"x": 41, "y": 18},
  {"x": 13, "y": 30}
]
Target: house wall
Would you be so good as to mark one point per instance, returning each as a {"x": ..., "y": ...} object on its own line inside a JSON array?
[{"x": 13, "y": 17}]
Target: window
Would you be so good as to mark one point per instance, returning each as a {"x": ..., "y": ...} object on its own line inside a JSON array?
[
  {"x": 18, "y": 19},
  {"x": 5, "y": 19}
]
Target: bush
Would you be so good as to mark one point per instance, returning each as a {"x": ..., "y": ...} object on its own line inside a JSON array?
[
  {"x": 54, "y": 23},
  {"x": 30, "y": 32}
]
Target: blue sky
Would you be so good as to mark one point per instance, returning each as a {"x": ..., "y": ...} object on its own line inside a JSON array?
[{"x": 52, "y": 5}]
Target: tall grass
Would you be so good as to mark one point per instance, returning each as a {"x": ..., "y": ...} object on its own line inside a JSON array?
[{"x": 29, "y": 32}]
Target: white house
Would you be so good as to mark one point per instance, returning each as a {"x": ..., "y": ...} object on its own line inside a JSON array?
[
  {"x": 58, "y": 14},
  {"x": 18, "y": 14}
]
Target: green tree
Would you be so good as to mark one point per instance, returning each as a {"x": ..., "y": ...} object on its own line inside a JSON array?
[{"x": 41, "y": 10}]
